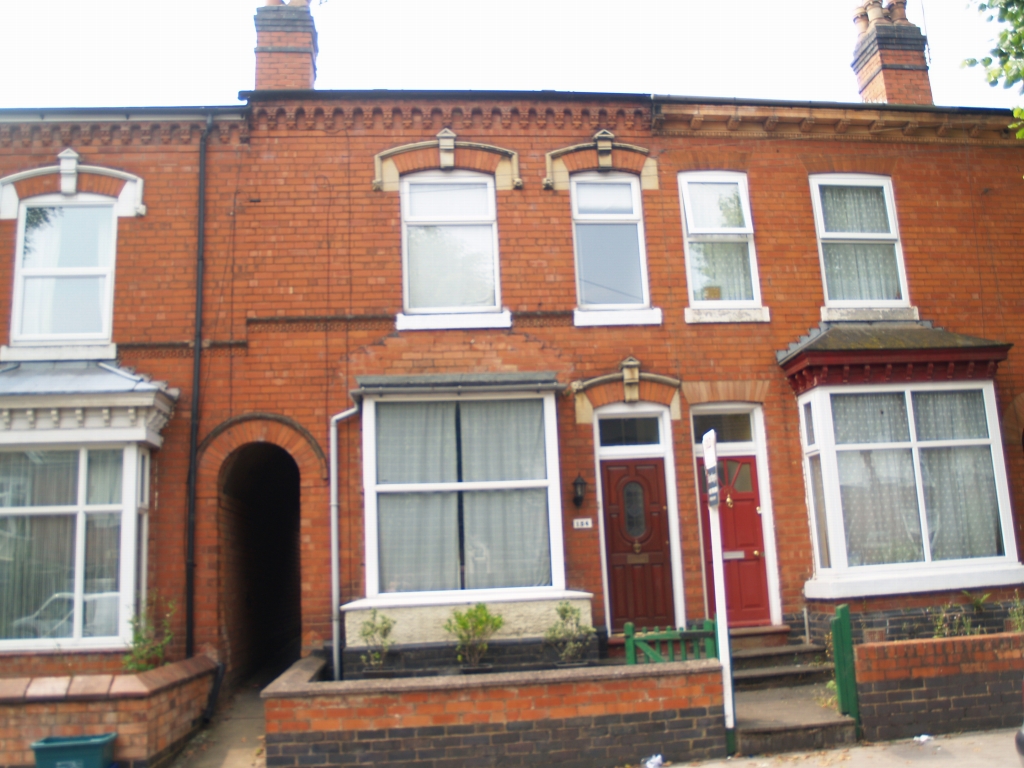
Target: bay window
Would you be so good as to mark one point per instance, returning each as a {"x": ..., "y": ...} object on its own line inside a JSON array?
[
  {"x": 68, "y": 534},
  {"x": 461, "y": 494},
  {"x": 906, "y": 488}
]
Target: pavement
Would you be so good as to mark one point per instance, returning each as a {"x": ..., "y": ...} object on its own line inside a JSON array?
[{"x": 234, "y": 738}]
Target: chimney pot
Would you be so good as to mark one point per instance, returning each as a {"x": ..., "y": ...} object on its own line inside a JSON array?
[
  {"x": 274, "y": 2},
  {"x": 889, "y": 58},
  {"x": 898, "y": 12},
  {"x": 860, "y": 18},
  {"x": 876, "y": 14}
]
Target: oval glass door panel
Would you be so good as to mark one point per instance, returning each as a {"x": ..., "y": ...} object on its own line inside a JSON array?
[{"x": 633, "y": 501}]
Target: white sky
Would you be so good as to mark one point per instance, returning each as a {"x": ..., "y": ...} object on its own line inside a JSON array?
[{"x": 77, "y": 53}]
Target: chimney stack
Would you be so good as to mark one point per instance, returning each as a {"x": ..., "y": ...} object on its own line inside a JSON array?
[
  {"x": 889, "y": 58},
  {"x": 285, "y": 46}
]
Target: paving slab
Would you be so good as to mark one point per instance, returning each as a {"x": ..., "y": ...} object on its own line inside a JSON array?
[{"x": 801, "y": 705}]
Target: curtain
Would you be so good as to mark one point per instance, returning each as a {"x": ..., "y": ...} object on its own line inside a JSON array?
[
  {"x": 871, "y": 418},
  {"x": 961, "y": 503},
  {"x": 38, "y": 478},
  {"x": 418, "y": 535},
  {"x": 37, "y": 576},
  {"x": 102, "y": 573},
  {"x": 416, "y": 443},
  {"x": 854, "y": 209},
  {"x": 950, "y": 415},
  {"x": 451, "y": 266},
  {"x": 104, "y": 485},
  {"x": 502, "y": 440},
  {"x": 609, "y": 264},
  {"x": 820, "y": 520},
  {"x": 716, "y": 205},
  {"x": 507, "y": 539},
  {"x": 861, "y": 271},
  {"x": 721, "y": 271},
  {"x": 67, "y": 236}
]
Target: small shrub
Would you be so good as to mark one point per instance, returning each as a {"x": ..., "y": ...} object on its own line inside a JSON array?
[
  {"x": 376, "y": 633},
  {"x": 829, "y": 698},
  {"x": 569, "y": 635},
  {"x": 151, "y": 634},
  {"x": 473, "y": 628},
  {"x": 1017, "y": 613},
  {"x": 952, "y": 621}
]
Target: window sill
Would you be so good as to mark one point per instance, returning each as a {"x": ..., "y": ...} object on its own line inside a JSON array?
[
  {"x": 868, "y": 314},
  {"x": 722, "y": 315},
  {"x": 599, "y": 317},
  {"x": 453, "y": 321},
  {"x": 65, "y": 645},
  {"x": 29, "y": 354},
  {"x": 900, "y": 580},
  {"x": 464, "y": 597}
]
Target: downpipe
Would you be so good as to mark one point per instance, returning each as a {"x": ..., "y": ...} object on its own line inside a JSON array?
[{"x": 335, "y": 554}]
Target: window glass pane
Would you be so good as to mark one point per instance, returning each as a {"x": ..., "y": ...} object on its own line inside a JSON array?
[
  {"x": 604, "y": 197},
  {"x": 854, "y": 209},
  {"x": 507, "y": 539},
  {"x": 861, "y": 271},
  {"x": 961, "y": 503},
  {"x": 880, "y": 418},
  {"x": 820, "y": 520},
  {"x": 716, "y": 205},
  {"x": 721, "y": 271},
  {"x": 502, "y": 440},
  {"x": 729, "y": 427},
  {"x": 950, "y": 415},
  {"x": 809, "y": 423},
  {"x": 38, "y": 478},
  {"x": 102, "y": 574},
  {"x": 37, "y": 589},
  {"x": 609, "y": 264},
  {"x": 642, "y": 431},
  {"x": 104, "y": 477},
  {"x": 62, "y": 305},
  {"x": 418, "y": 535},
  {"x": 741, "y": 478},
  {"x": 880, "y": 512},
  {"x": 449, "y": 201},
  {"x": 451, "y": 266},
  {"x": 67, "y": 236},
  {"x": 633, "y": 504},
  {"x": 416, "y": 443}
]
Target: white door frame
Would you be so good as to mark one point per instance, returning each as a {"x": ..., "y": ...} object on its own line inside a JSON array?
[
  {"x": 663, "y": 450},
  {"x": 759, "y": 449}
]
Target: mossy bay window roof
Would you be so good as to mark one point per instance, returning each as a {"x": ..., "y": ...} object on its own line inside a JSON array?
[{"x": 884, "y": 352}]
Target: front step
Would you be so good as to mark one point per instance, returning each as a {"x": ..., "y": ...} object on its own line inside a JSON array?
[
  {"x": 789, "y": 720},
  {"x": 781, "y": 677},
  {"x": 805, "y": 654},
  {"x": 758, "y": 637}
]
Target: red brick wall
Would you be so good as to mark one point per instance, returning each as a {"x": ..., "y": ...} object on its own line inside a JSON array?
[{"x": 295, "y": 231}]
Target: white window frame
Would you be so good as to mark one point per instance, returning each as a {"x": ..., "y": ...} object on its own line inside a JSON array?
[
  {"x": 858, "y": 180},
  {"x": 450, "y": 317},
  {"x": 613, "y": 314},
  {"x": 20, "y": 339},
  {"x": 130, "y": 510},
  {"x": 705, "y": 310},
  {"x": 841, "y": 580},
  {"x": 556, "y": 590},
  {"x": 661, "y": 450}
]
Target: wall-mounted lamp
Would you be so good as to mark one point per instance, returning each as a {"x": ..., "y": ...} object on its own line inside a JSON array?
[{"x": 579, "y": 487}]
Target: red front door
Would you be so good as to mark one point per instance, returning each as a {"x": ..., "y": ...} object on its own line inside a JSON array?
[
  {"x": 746, "y": 579},
  {"x": 637, "y": 541}
]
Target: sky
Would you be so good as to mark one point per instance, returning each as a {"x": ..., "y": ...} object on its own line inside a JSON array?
[{"x": 124, "y": 53}]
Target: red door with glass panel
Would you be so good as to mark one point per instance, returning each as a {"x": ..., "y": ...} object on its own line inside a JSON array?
[
  {"x": 746, "y": 578},
  {"x": 637, "y": 543}
]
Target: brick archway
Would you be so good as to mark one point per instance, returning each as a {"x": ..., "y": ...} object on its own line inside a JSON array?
[{"x": 282, "y": 431}]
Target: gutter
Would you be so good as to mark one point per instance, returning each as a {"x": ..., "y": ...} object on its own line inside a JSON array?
[
  {"x": 193, "y": 436},
  {"x": 335, "y": 556}
]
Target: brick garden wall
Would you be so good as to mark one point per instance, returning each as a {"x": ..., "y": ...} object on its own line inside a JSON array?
[
  {"x": 940, "y": 685},
  {"x": 588, "y": 717},
  {"x": 153, "y": 712}
]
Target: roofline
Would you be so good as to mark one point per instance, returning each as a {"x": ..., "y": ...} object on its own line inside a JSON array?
[
  {"x": 342, "y": 95},
  {"x": 867, "y": 106},
  {"x": 118, "y": 114}
]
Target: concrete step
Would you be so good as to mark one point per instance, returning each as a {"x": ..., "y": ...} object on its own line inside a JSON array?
[
  {"x": 778, "y": 656},
  {"x": 794, "y": 719},
  {"x": 758, "y": 637},
  {"x": 782, "y": 676}
]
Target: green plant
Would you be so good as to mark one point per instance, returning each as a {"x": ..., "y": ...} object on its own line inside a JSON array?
[
  {"x": 472, "y": 628},
  {"x": 977, "y": 601},
  {"x": 569, "y": 635},
  {"x": 829, "y": 698},
  {"x": 1017, "y": 613},
  {"x": 952, "y": 621},
  {"x": 376, "y": 633},
  {"x": 151, "y": 634}
]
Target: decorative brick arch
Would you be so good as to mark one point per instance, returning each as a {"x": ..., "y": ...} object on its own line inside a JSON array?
[
  {"x": 603, "y": 153},
  {"x": 629, "y": 386},
  {"x": 239, "y": 431},
  {"x": 446, "y": 152}
]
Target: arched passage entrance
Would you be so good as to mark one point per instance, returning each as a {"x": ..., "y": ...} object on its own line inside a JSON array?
[{"x": 260, "y": 561}]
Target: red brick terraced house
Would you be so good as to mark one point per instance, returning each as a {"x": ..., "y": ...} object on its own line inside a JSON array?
[{"x": 483, "y": 298}]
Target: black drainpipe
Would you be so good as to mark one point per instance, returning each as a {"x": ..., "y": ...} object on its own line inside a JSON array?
[{"x": 193, "y": 435}]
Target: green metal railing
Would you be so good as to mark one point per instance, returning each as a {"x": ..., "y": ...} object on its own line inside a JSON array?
[
  {"x": 846, "y": 674},
  {"x": 663, "y": 645}
]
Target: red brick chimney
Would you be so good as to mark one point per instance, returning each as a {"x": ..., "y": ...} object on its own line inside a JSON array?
[
  {"x": 889, "y": 57},
  {"x": 285, "y": 46}
]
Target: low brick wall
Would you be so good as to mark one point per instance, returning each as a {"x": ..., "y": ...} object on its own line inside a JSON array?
[
  {"x": 587, "y": 717},
  {"x": 940, "y": 686},
  {"x": 153, "y": 712}
]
